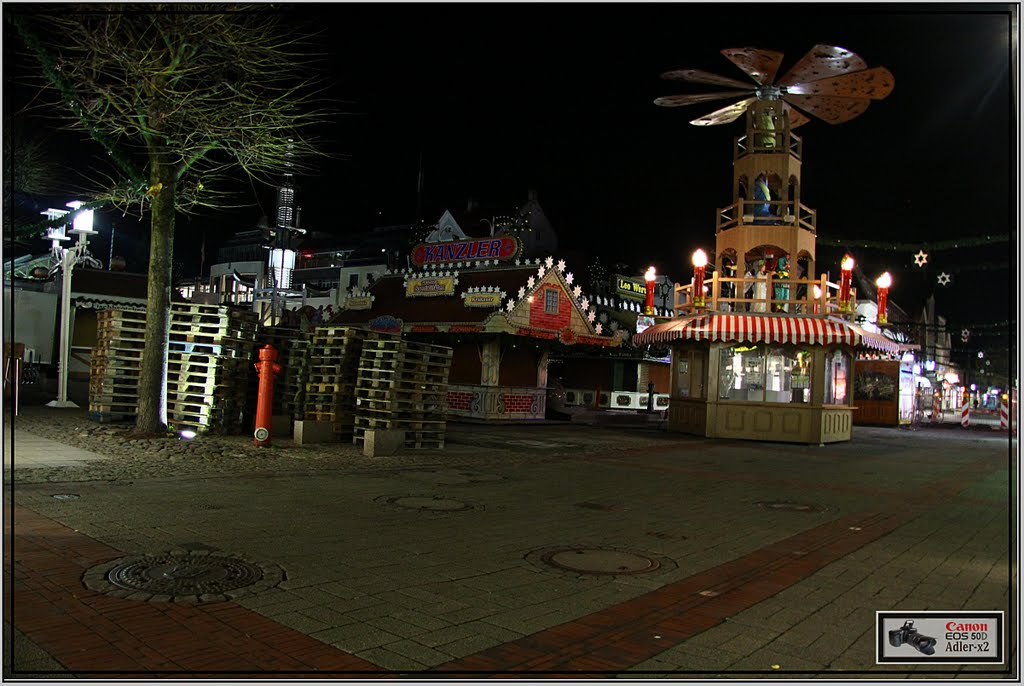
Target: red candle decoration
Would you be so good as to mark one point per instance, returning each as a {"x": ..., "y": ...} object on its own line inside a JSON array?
[
  {"x": 649, "y": 304},
  {"x": 700, "y": 261},
  {"x": 883, "y": 283},
  {"x": 845, "y": 277}
]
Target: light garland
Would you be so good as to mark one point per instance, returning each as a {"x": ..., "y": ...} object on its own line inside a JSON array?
[{"x": 954, "y": 244}]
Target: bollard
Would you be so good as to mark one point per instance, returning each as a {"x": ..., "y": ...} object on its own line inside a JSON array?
[
  {"x": 965, "y": 415},
  {"x": 1004, "y": 416},
  {"x": 267, "y": 367}
]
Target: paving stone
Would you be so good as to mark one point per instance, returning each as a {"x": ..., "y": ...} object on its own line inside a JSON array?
[{"x": 391, "y": 660}]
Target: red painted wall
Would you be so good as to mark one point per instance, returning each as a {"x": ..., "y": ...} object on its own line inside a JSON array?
[{"x": 552, "y": 322}]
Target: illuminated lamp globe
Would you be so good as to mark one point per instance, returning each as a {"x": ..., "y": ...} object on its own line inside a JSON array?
[
  {"x": 817, "y": 292},
  {"x": 847, "y": 264},
  {"x": 700, "y": 258},
  {"x": 884, "y": 281}
]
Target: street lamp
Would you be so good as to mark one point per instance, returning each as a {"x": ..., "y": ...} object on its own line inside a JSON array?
[
  {"x": 845, "y": 277},
  {"x": 69, "y": 257}
]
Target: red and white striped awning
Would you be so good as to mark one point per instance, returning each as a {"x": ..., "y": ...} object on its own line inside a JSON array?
[{"x": 764, "y": 328}]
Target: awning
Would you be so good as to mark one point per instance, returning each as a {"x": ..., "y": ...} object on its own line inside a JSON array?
[
  {"x": 764, "y": 328},
  {"x": 108, "y": 302}
]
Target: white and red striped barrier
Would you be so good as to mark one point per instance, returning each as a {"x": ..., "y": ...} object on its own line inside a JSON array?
[{"x": 965, "y": 415}]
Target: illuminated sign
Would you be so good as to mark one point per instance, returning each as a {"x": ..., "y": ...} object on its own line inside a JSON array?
[
  {"x": 430, "y": 286},
  {"x": 483, "y": 299},
  {"x": 386, "y": 324},
  {"x": 497, "y": 248},
  {"x": 629, "y": 288},
  {"x": 359, "y": 302}
]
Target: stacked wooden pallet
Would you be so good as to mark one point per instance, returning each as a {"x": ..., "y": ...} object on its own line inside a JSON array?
[
  {"x": 209, "y": 365},
  {"x": 115, "y": 365},
  {"x": 403, "y": 385},
  {"x": 290, "y": 385},
  {"x": 332, "y": 374}
]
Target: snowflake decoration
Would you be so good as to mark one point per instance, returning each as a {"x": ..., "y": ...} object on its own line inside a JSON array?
[
  {"x": 518, "y": 262},
  {"x": 584, "y": 304},
  {"x": 591, "y": 315},
  {"x": 561, "y": 266},
  {"x": 568, "y": 278},
  {"x": 964, "y": 335},
  {"x": 577, "y": 291},
  {"x": 522, "y": 291},
  {"x": 511, "y": 305},
  {"x": 598, "y": 328},
  {"x": 530, "y": 282},
  {"x": 540, "y": 271},
  {"x": 943, "y": 279},
  {"x": 921, "y": 258}
]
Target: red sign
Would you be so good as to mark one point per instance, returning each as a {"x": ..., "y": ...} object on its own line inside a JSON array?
[
  {"x": 498, "y": 248},
  {"x": 464, "y": 328}
]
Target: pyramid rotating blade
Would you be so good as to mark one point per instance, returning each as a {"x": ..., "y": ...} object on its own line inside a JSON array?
[
  {"x": 700, "y": 76},
  {"x": 681, "y": 100},
  {"x": 874, "y": 84},
  {"x": 822, "y": 62},
  {"x": 760, "y": 65},
  {"x": 831, "y": 109},
  {"x": 724, "y": 115},
  {"x": 796, "y": 117}
]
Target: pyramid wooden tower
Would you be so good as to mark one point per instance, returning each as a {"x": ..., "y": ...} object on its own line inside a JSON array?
[{"x": 767, "y": 219}]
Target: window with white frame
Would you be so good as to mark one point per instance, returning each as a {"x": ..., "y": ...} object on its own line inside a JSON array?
[{"x": 551, "y": 301}]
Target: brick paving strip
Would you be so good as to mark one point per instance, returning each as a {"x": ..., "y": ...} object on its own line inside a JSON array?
[
  {"x": 92, "y": 632},
  {"x": 617, "y": 638}
]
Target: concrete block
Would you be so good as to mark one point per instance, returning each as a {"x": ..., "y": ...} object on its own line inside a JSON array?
[
  {"x": 307, "y": 432},
  {"x": 380, "y": 442},
  {"x": 281, "y": 425}
]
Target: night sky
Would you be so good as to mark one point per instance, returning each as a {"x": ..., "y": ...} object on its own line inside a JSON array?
[{"x": 503, "y": 98}]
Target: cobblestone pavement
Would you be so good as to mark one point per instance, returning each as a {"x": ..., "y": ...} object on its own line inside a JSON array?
[{"x": 747, "y": 587}]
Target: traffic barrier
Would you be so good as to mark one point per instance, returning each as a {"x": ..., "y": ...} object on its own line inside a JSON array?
[
  {"x": 965, "y": 415},
  {"x": 1004, "y": 416}
]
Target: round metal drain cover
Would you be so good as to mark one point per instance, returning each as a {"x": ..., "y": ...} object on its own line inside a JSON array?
[
  {"x": 791, "y": 507},
  {"x": 601, "y": 561},
  {"x": 197, "y": 575},
  {"x": 435, "y": 503}
]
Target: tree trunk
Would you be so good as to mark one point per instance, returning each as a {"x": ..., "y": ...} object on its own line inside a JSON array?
[{"x": 152, "y": 418}]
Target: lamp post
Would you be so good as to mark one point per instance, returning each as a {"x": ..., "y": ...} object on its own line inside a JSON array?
[
  {"x": 845, "y": 277},
  {"x": 69, "y": 257},
  {"x": 700, "y": 261},
  {"x": 649, "y": 283},
  {"x": 817, "y": 298},
  {"x": 883, "y": 283}
]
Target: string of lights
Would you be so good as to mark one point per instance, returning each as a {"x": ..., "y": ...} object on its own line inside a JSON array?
[{"x": 954, "y": 244}]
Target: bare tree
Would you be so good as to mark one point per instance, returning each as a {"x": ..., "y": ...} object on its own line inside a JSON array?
[{"x": 182, "y": 97}]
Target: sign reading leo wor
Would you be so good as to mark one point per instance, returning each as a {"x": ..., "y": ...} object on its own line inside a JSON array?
[{"x": 502, "y": 248}]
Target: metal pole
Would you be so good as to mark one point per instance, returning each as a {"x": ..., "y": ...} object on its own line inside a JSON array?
[
  {"x": 110, "y": 258},
  {"x": 69, "y": 259}
]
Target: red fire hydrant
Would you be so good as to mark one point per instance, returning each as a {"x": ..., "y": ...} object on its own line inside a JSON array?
[{"x": 267, "y": 368}]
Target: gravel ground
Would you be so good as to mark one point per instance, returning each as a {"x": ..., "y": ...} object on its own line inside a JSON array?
[{"x": 171, "y": 456}]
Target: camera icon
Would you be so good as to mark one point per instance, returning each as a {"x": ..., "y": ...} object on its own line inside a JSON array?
[{"x": 908, "y": 635}]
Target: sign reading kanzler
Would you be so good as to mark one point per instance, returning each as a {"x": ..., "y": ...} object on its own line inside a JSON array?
[{"x": 931, "y": 636}]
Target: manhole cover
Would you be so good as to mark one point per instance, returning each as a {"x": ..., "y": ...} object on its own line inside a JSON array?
[
  {"x": 430, "y": 503},
  {"x": 791, "y": 507},
  {"x": 601, "y": 561},
  {"x": 198, "y": 575}
]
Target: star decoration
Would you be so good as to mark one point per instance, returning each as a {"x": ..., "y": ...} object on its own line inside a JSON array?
[
  {"x": 549, "y": 261},
  {"x": 577, "y": 291},
  {"x": 598, "y": 328},
  {"x": 511, "y": 305},
  {"x": 921, "y": 258},
  {"x": 561, "y": 266},
  {"x": 568, "y": 278},
  {"x": 943, "y": 279},
  {"x": 522, "y": 291},
  {"x": 590, "y": 316},
  {"x": 530, "y": 282},
  {"x": 540, "y": 271},
  {"x": 518, "y": 262},
  {"x": 584, "y": 304}
]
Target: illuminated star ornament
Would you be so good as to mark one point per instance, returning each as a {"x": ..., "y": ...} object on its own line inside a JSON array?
[
  {"x": 943, "y": 279},
  {"x": 964, "y": 335},
  {"x": 577, "y": 291},
  {"x": 921, "y": 258},
  {"x": 598, "y": 328},
  {"x": 561, "y": 266},
  {"x": 511, "y": 305},
  {"x": 568, "y": 278},
  {"x": 530, "y": 282}
]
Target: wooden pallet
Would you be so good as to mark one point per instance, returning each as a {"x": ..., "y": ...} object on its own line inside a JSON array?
[
  {"x": 115, "y": 407},
  {"x": 230, "y": 350},
  {"x": 106, "y": 417},
  {"x": 424, "y": 440}
]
